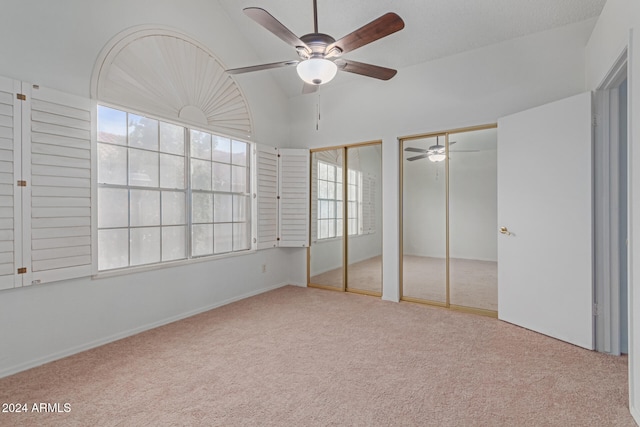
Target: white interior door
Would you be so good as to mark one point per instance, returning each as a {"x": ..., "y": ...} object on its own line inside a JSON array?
[{"x": 545, "y": 266}]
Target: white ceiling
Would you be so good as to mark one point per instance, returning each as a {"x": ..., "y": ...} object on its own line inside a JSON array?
[{"x": 433, "y": 28}]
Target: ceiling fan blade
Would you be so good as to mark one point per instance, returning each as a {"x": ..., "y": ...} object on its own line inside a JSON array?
[
  {"x": 261, "y": 67},
  {"x": 368, "y": 70},
  {"x": 464, "y": 151},
  {"x": 307, "y": 88},
  {"x": 387, "y": 24},
  {"x": 421, "y": 156},
  {"x": 416, "y": 150},
  {"x": 267, "y": 20}
]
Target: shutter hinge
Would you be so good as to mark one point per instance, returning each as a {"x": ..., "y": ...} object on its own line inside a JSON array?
[
  {"x": 278, "y": 239},
  {"x": 22, "y": 183},
  {"x": 595, "y": 310},
  {"x": 22, "y": 270},
  {"x": 21, "y": 96},
  {"x": 278, "y": 197}
]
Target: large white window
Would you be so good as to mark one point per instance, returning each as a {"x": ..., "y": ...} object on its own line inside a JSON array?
[
  {"x": 150, "y": 209},
  {"x": 330, "y": 201}
]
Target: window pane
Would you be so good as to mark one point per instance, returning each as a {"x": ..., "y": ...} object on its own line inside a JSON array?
[
  {"x": 145, "y": 208},
  {"x": 323, "y": 209},
  {"x": 221, "y": 149},
  {"x": 202, "y": 207},
  {"x": 171, "y": 171},
  {"x": 322, "y": 189},
  {"x": 338, "y": 174},
  {"x": 239, "y": 153},
  {"x": 113, "y": 249},
  {"x": 323, "y": 229},
  {"x": 239, "y": 179},
  {"x": 112, "y": 126},
  {"x": 331, "y": 190},
  {"x": 171, "y": 138},
  {"x": 322, "y": 170},
  {"x": 353, "y": 209},
  {"x": 241, "y": 239},
  {"x": 222, "y": 238},
  {"x": 332, "y": 209},
  {"x": 221, "y": 177},
  {"x": 112, "y": 164},
  {"x": 222, "y": 208},
  {"x": 338, "y": 209},
  {"x": 352, "y": 192},
  {"x": 202, "y": 239},
  {"x": 113, "y": 207},
  {"x": 339, "y": 226},
  {"x": 173, "y": 208},
  {"x": 143, "y": 132},
  {"x": 352, "y": 177},
  {"x": 145, "y": 245},
  {"x": 200, "y": 175},
  {"x": 174, "y": 243},
  {"x": 200, "y": 145},
  {"x": 143, "y": 168},
  {"x": 353, "y": 226},
  {"x": 331, "y": 173},
  {"x": 240, "y": 208},
  {"x": 339, "y": 191}
]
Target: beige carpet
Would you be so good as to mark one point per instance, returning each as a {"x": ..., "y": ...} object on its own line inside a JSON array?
[
  {"x": 364, "y": 276},
  {"x": 308, "y": 357},
  {"x": 472, "y": 283}
]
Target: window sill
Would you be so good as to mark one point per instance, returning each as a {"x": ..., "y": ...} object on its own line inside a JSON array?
[{"x": 169, "y": 264}]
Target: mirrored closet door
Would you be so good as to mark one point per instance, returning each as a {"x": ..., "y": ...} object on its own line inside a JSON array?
[
  {"x": 346, "y": 239},
  {"x": 449, "y": 219}
]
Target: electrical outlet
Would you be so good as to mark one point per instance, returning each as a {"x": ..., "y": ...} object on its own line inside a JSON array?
[{"x": 264, "y": 268}]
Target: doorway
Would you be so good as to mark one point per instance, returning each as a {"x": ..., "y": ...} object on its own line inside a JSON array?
[
  {"x": 346, "y": 219},
  {"x": 611, "y": 197}
]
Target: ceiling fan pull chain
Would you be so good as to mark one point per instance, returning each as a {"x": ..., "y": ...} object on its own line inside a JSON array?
[{"x": 318, "y": 111}]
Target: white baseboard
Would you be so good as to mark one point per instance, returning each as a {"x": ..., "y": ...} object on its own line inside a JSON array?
[{"x": 106, "y": 340}]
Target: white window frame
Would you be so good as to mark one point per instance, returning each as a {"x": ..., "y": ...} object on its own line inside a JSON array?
[{"x": 187, "y": 190}]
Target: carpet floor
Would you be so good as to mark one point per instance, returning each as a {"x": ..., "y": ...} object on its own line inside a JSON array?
[{"x": 309, "y": 357}]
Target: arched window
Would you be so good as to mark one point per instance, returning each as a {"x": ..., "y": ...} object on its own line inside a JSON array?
[{"x": 174, "y": 169}]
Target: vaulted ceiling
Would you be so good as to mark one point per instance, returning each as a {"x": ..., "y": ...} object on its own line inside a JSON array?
[{"x": 433, "y": 28}]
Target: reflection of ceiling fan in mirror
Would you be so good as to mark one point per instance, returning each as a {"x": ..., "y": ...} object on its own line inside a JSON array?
[
  {"x": 435, "y": 153},
  {"x": 320, "y": 54}
]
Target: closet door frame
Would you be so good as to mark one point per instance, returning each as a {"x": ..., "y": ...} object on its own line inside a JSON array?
[
  {"x": 345, "y": 224},
  {"x": 447, "y": 303}
]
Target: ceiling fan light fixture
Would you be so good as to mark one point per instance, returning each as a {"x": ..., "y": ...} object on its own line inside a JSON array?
[
  {"x": 317, "y": 71},
  {"x": 437, "y": 157}
]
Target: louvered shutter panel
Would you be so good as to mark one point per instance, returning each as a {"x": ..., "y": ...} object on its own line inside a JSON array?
[
  {"x": 266, "y": 196},
  {"x": 314, "y": 198},
  {"x": 294, "y": 197},
  {"x": 369, "y": 204},
  {"x": 59, "y": 162},
  {"x": 10, "y": 193}
]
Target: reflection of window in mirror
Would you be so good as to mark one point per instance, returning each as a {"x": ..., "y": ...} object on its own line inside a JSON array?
[{"x": 330, "y": 196}]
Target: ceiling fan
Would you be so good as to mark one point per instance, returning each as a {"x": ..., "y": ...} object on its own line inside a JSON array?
[
  {"x": 320, "y": 54},
  {"x": 435, "y": 153}
]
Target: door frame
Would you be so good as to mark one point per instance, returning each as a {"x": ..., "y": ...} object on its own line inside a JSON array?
[
  {"x": 345, "y": 235},
  {"x": 607, "y": 326},
  {"x": 447, "y": 303}
]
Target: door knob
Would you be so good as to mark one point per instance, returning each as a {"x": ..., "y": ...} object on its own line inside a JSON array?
[{"x": 504, "y": 230}]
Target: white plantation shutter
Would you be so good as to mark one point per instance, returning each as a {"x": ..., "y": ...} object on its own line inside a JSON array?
[
  {"x": 294, "y": 197},
  {"x": 369, "y": 204},
  {"x": 266, "y": 196},
  {"x": 58, "y": 196},
  {"x": 10, "y": 193},
  {"x": 314, "y": 198}
]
